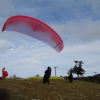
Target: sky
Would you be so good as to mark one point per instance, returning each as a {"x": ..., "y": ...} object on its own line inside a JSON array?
[{"x": 77, "y": 22}]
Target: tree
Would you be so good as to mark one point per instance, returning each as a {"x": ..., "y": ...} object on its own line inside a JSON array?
[
  {"x": 14, "y": 76},
  {"x": 37, "y": 75},
  {"x": 78, "y": 69}
]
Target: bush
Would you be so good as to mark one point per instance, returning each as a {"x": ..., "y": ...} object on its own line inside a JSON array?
[
  {"x": 92, "y": 79},
  {"x": 4, "y": 94}
]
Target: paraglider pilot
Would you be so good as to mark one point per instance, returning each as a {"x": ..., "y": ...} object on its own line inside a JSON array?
[
  {"x": 70, "y": 76},
  {"x": 4, "y": 73},
  {"x": 47, "y": 75},
  {"x": 3, "y": 77}
]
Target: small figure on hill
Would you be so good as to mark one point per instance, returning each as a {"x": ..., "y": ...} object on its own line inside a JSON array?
[
  {"x": 47, "y": 75},
  {"x": 68, "y": 73},
  {"x": 70, "y": 76},
  {"x": 3, "y": 77},
  {"x": 4, "y": 73}
]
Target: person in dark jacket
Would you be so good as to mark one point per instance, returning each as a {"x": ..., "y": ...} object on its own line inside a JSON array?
[
  {"x": 70, "y": 76},
  {"x": 47, "y": 75}
]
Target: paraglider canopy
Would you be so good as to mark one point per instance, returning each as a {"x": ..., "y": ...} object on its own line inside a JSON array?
[{"x": 34, "y": 28}]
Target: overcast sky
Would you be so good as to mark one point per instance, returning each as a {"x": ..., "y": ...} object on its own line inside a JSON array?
[{"x": 76, "y": 21}]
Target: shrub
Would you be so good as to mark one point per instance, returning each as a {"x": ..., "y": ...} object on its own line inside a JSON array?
[{"x": 4, "y": 94}]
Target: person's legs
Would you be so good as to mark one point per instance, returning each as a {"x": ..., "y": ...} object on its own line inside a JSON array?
[
  {"x": 48, "y": 80},
  {"x": 44, "y": 79},
  {"x": 2, "y": 76}
]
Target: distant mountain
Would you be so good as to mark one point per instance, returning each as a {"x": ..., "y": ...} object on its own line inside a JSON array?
[{"x": 97, "y": 75}]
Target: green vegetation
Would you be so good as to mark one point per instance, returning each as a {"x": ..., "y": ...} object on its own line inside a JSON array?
[
  {"x": 41, "y": 78},
  {"x": 20, "y": 89}
]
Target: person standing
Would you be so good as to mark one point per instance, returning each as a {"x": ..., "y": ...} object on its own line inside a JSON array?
[
  {"x": 71, "y": 77},
  {"x": 47, "y": 75},
  {"x": 3, "y": 70},
  {"x": 68, "y": 75}
]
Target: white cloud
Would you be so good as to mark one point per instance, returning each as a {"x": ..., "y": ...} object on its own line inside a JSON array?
[
  {"x": 82, "y": 31},
  {"x": 36, "y": 58},
  {"x": 4, "y": 43}
]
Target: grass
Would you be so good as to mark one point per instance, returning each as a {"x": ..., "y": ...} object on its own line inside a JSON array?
[
  {"x": 51, "y": 78},
  {"x": 57, "y": 90}
]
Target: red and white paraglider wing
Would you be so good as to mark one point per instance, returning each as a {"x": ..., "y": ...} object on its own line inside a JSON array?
[{"x": 34, "y": 28}]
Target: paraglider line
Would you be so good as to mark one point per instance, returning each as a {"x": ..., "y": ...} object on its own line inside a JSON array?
[{"x": 57, "y": 45}]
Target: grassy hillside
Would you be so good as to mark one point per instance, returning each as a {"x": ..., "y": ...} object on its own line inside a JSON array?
[{"x": 20, "y": 89}]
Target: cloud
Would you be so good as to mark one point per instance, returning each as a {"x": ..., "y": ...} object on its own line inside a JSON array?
[
  {"x": 82, "y": 31},
  {"x": 37, "y": 58},
  {"x": 4, "y": 43}
]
